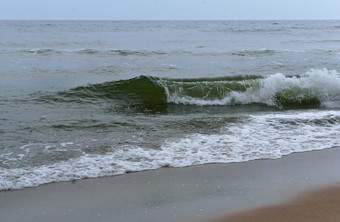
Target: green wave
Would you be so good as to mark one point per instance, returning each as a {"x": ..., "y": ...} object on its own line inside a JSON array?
[
  {"x": 148, "y": 89},
  {"x": 276, "y": 91},
  {"x": 296, "y": 97},
  {"x": 143, "y": 88}
]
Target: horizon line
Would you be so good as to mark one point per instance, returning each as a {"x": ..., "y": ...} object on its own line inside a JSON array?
[{"x": 169, "y": 19}]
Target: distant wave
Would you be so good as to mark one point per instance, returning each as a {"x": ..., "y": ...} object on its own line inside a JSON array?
[
  {"x": 324, "y": 41},
  {"x": 260, "y": 52},
  {"x": 312, "y": 89},
  {"x": 145, "y": 53},
  {"x": 255, "y": 30},
  {"x": 42, "y": 51},
  {"x": 89, "y": 51},
  {"x": 119, "y": 52}
]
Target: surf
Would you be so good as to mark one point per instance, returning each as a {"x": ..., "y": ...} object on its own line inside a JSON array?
[{"x": 315, "y": 88}]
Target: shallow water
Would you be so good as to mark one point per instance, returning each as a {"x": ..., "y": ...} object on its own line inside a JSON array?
[{"x": 86, "y": 99}]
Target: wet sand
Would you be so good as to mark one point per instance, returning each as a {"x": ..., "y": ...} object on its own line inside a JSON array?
[
  {"x": 322, "y": 205},
  {"x": 198, "y": 193}
]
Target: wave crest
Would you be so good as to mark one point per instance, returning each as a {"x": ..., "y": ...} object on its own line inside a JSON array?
[{"x": 312, "y": 89}]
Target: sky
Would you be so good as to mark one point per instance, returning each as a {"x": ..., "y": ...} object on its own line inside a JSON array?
[{"x": 169, "y": 9}]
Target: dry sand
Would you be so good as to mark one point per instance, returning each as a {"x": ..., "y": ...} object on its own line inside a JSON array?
[
  {"x": 189, "y": 194},
  {"x": 318, "y": 206}
]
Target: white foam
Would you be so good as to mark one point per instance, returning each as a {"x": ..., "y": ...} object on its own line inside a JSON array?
[
  {"x": 258, "y": 137},
  {"x": 323, "y": 84},
  {"x": 263, "y": 136}
]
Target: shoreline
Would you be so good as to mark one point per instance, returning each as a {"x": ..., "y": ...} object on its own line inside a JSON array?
[
  {"x": 312, "y": 206},
  {"x": 197, "y": 193}
]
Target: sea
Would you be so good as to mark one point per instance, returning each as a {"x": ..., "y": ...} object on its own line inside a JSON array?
[{"x": 87, "y": 99}]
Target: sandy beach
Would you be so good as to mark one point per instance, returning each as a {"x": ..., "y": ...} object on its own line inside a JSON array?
[
  {"x": 321, "y": 205},
  {"x": 199, "y": 193}
]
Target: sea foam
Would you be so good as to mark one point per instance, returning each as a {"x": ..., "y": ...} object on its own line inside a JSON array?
[
  {"x": 315, "y": 86},
  {"x": 263, "y": 136}
]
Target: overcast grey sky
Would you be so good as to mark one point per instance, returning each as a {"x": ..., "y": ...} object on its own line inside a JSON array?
[{"x": 169, "y": 9}]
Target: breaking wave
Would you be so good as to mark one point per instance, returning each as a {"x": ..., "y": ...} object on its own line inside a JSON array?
[{"x": 312, "y": 89}]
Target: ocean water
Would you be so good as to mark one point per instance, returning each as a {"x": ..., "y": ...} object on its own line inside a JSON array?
[{"x": 84, "y": 99}]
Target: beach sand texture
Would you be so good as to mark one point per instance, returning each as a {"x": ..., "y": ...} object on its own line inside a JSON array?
[
  {"x": 198, "y": 193},
  {"x": 322, "y": 205}
]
